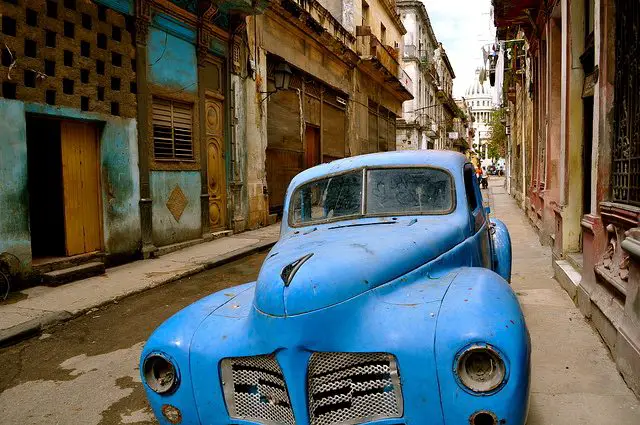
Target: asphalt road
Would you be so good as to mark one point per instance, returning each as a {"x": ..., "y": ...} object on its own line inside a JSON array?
[{"x": 85, "y": 371}]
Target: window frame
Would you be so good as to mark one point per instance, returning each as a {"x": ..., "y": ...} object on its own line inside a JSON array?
[{"x": 363, "y": 214}]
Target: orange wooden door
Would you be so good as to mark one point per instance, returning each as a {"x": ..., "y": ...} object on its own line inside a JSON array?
[
  {"x": 216, "y": 176},
  {"x": 81, "y": 187}
]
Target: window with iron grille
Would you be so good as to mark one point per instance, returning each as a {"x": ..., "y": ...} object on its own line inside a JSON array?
[
  {"x": 625, "y": 178},
  {"x": 172, "y": 130}
]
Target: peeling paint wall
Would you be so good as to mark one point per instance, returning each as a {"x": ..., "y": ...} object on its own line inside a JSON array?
[
  {"x": 120, "y": 186},
  {"x": 14, "y": 196},
  {"x": 173, "y": 73},
  {"x": 172, "y": 61},
  {"x": 119, "y": 178},
  {"x": 167, "y": 228},
  {"x": 408, "y": 139},
  {"x": 238, "y": 187},
  {"x": 334, "y": 7},
  {"x": 256, "y": 128}
]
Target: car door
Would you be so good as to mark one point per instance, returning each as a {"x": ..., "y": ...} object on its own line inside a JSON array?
[{"x": 478, "y": 220}]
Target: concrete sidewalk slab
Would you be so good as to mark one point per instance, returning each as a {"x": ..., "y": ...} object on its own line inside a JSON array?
[{"x": 45, "y": 306}]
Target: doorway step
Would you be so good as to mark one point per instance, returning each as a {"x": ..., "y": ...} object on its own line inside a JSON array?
[
  {"x": 568, "y": 272},
  {"x": 60, "y": 270}
]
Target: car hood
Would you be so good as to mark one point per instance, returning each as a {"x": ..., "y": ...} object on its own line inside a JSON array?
[{"x": 318, "y": 267}]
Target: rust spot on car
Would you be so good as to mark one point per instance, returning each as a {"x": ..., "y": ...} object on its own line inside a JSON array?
[{"x": 229, "y": 294}]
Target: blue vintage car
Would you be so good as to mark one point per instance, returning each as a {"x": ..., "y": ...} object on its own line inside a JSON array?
[{"x": 385, "y": 301}]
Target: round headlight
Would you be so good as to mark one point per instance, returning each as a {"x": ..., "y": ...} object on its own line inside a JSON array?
[
  {"x": 481, "y": 369},
  {"x": 160, "y": 374}
]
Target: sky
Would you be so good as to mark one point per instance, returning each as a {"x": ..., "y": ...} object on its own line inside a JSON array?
[{"x": 463, "y": 27}]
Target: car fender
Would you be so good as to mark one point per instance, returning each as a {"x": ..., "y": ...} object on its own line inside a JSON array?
[
  {"x": 173, "y": 340},
  {"x": 501, "y": 249},
  {"x": 480, "y": 308}
]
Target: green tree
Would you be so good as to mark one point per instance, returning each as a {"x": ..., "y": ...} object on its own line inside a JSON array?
[{"x": 497, "y": 146}]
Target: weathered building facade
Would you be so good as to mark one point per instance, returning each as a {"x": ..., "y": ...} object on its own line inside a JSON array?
[
  {"x": 344, "y": 90},
  {"x": 169, "y": 122},
  {"x": 573, "y": 95},
  {"x": 463, "y": 127},
  {"x": 68, "y": 138},
  {"x": 447, "y": 110},
  {"x": 418, "y": 128},
  {"x": 115, "y": 127}
]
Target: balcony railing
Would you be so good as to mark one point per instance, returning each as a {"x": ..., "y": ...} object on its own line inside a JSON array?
[
  {"x": 412, "y": 51},
  {"x": 370, "y": 49}
]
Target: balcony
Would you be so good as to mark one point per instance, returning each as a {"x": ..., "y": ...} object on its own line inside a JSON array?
[
  {"x": 381, "y": 63},
  {"x": 412, "y": 52},
  {"x": 447, "y": 101}
]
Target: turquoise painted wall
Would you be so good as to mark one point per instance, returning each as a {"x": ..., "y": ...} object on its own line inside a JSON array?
[
  {"x": 120, "y": 177},
  {"x": 172, "y": 59},
  {"x": 120, "y": 186},
  {"x": 166, "y": 229},
  {"x": 14, "y": 196},
  {"x": 171, "y": 55},
  {"x": 120, "y": 182}
]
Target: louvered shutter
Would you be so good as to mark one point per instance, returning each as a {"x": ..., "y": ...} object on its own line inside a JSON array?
[
  {"x": 182, "y": 131},
  {"x": 172, "y": 130}
]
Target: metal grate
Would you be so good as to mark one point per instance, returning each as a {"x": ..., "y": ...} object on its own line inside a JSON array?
[
  {"x": 625, "y": 179},
  {"x": 255, "y": 390},
  {"x": 353, "y": 388}
]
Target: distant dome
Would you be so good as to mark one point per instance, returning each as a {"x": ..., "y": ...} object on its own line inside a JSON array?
[{"x": 476, "y": 89}]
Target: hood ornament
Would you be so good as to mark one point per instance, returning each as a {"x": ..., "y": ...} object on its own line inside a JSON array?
[{"x": 290, "y": 270}]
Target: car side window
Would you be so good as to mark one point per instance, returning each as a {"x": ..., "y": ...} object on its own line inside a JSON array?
[{"x": 469, "y": 179}]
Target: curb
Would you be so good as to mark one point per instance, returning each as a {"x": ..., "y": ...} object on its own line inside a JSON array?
[{"x": 34, "y": 326}]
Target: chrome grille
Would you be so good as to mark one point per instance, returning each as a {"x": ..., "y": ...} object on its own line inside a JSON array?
[
  {"x": 352, "y": 388},
  {"x": 255, "y": 390}
]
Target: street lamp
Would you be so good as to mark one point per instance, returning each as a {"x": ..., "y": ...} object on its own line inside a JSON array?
[{"x": 282, "y": 76}]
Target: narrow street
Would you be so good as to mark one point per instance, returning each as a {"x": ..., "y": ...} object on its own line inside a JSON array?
[{"x": 85, "y": 371}]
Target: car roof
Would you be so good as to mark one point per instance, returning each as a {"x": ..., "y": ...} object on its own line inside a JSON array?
[{"x": 449, "y": 160}]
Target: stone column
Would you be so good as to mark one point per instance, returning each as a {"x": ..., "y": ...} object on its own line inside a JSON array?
[{"x": 143, "y": 19}]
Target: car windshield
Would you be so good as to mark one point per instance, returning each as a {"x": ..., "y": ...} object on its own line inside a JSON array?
[{"x": 389, "y": 191}]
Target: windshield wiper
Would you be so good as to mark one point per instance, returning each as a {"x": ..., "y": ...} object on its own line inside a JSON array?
[{"x": 362, "y": 224}]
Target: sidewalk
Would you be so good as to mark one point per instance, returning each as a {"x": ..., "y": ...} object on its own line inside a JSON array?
[
  {"x": 574, "y": 379},
  {"x": 45, "y": 306}
]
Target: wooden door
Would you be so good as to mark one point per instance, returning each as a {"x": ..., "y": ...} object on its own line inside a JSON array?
[
  {"x": 312, "y": 146},
  {"x": 216, "y": 183},
  {"x": 81, "y": 187}
]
